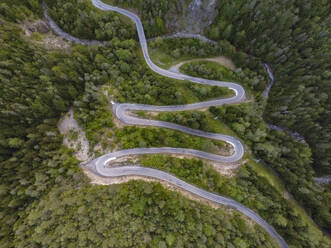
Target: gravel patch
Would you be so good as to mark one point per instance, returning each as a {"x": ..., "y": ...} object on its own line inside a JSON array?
[
  {"x": 73, "y": 136},
  {"x": 220, "y": 60},
  {"x": 46, "y": 38}
]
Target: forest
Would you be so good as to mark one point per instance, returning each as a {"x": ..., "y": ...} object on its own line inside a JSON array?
[
  {"x": 153, "y": 13},
  {"x": 290, "y": 158},
  {"x": 40, "y": 179},
  {"x": 79, "y": 19},
  {"x": 294, "y": 41},
  {"x": 45, "y": 195},
  {"x": 248, "y": 187},
  {"x": 41, "y": 182}
]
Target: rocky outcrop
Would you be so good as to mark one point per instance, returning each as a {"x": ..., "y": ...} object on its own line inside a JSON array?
[
  {"x": 195, "y": 16},
  {"x": 38, "y": 26},
  {"x": 73, "y": 136}
]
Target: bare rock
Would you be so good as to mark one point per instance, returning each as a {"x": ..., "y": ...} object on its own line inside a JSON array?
[
  {"x": 68, "y": 126},
  {"x": 193, "y": 17},
  {"x": 37, "y": 26}
]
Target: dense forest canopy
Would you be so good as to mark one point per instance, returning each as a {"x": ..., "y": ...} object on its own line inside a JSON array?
[
  {"x": 79, "y": 19},
  {"x": 295, "y": 41},
  {"x": 290, "y": 158},
  {"x": 39, "y": 177},
  {"x": 293, "y": 36},
  {"x": 153, "y": 13},
  {"x": 45, "y": 195}
]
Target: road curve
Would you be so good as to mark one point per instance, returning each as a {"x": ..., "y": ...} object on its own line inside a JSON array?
[
  {"x": 100, "y": 168},
  {"x": 121, "y": 110},
  {"x": 323, "y": 180},
  {"x": 65, "y": 35},
  {"x": 99, "y": 165},
  {"x": 265, "y": 94}
]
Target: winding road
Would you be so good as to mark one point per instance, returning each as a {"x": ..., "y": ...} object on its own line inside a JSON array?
[{"x": 100, "y": 164}]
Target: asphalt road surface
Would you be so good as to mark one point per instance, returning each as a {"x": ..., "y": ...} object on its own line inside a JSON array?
[{"x": 100, "y": 164}]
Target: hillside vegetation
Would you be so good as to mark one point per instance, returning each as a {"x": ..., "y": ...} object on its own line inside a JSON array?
[
  {"x": 295, "y": 41},
  {"x": 290, "y": 158},
  {"x": 44, "y": 194},
  {"x": 46, "y": 200},
  {"x": 293, "y": 37}
]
